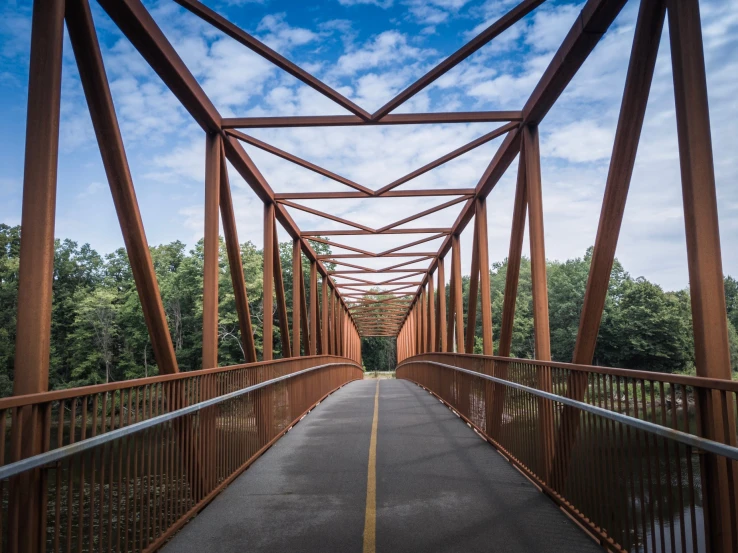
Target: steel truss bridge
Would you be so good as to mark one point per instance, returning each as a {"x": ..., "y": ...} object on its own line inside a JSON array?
[{"x": 553, "y": 456}]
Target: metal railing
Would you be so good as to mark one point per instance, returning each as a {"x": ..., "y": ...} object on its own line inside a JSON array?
[
  {"x": 619, "y": 450},
  {"x": 125, "y": 465}
]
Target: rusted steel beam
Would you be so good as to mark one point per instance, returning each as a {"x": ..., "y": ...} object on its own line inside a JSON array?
[
  {"x": 284, "y": 326},
  {"x": 377, "y": 254},
  {"x": 324, "y": 215},
  {"x": 411, "y": 244},
  {"x": 364, "y": 256},
  {"x": 431, "y": 316},
  {"x": 352, "y": 120},
  {"x": 336, "y": 307},
  {"x": 366, "y": 192},
  {"x": 343, "y": 246},
  {"x": 211, "y": 252},
  {"x": 369, "y": 271},
  {"x": 36, "y": 271},
  {"x": 435, "y": 230},
  {"x": 709, "y": 323},
  {"x": 372, "y": 284},
  {"x": 354, "y": 279},
  {"x": 537, "y": 248},
  {"x": 411, "y": 193},
  {"x": 268, "y": 298},
  {"x": 423, "y": 213},
  {"x": 304, "y": 316},
  {"x": 495, "y": 29},
  {"x": 235, "y": 263},
  {"x": 484, "y": 286},
  {"x": 387, "y": 190},
  {"x": 379, "y": 283},
  {"x": 313, "y": 308},
  {"x": 139, "y": 27},
  {"x": 33, "y": 328},
  {"x": 102, "y": 112},
  {"x": 238, "y": 34},
  {"x": 471, "y": 314},
  {"x": 630, "y": 123},
  {"x": 324, "y": 314},
  {"x": 319, "y": 318},
  {"x": 329, "y": 318},
  {"x": 441, "y": 318},
  {"x": 541, "y": 329},
  {"x": 296, "y": 295},
  {"x": 211, "y": 273},
  {"x": 517, "y": 233},
  {"x": 456, "y": 292}
]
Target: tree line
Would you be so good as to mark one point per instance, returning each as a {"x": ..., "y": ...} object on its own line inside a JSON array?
[{"x": 98, "y": 332}]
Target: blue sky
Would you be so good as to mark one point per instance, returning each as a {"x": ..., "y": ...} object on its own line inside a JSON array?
[{"x": 370, "y": 50}]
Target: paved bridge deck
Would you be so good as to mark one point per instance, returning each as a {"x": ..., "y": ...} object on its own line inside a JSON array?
[{"x": 439, "y": 487}]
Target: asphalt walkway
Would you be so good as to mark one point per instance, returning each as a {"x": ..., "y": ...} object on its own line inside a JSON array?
[{"x": 439, "y": 487}]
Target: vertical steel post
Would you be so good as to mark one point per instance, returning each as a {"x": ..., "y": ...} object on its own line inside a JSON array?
[
  {"x": 431, "y": 315},
  {"x": 296, "y": 292},
  {"x": 484, "y": 287},
  {"x": 324, "y": 314},
  {"x": 458, "y": 299},
  {"x": 471, "y": 314},
  {"x": 211, "y": 254},
  {"x": 540, "y": 292},
  {"x": 441, "y": 334},
  {"x": 709, "y": 322},
  {"x": 33, "y": 330},
  {"x": 268, "y": 299},
  {"x": 313, "y": 308},
  {"x": 284, "y": 326}
]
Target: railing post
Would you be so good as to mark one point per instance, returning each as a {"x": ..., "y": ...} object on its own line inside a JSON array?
[{"x": 712, "y": 352}]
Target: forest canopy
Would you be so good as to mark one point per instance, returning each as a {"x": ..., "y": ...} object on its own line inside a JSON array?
[{"x": 98, "y": 332}]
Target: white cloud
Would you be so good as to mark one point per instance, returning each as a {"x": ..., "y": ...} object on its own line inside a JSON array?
[
  {"x": 281, "y": 36},
  {"x": 380, "y": 3},
  {"x": 387, "y": 48},
  {"x": 580, "y": 141}
]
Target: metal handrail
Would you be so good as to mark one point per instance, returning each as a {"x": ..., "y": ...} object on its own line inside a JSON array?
[
  {"x": 667, "y": 378},
  {"x": 710, "y": 446},
  {"x": 37, "y": 461}
]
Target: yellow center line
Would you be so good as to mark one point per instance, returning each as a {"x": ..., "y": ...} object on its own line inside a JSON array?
[{"x": 370, "y": 518}]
